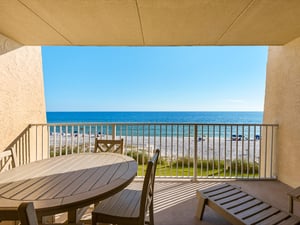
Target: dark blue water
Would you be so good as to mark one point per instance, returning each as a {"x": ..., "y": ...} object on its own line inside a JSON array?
[{"x": 156, "y": 117}]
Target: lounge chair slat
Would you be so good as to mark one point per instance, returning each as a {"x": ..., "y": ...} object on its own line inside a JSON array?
[
  {"x": 237, "y": 201},
  {"x": 293, "y": 220},
  {"x": 214, "y": 188},
  {"x": 214, "y": 194},
  {"x": 275, "y": 219},
  {"x": 245, "y": 214},
  {"x": 245, "y": 206},
  {"x": 231, "y": 198},
  {"x": 261, "y": 216},
  {"x": 226, "y": 194}
]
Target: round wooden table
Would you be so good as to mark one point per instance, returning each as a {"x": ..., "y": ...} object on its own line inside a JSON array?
[{"x": 65, "y": 183}]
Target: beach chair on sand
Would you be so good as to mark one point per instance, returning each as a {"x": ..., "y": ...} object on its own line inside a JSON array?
[
  {"x": 239, "y": 208},
  {"x": 115, "y": 146}
]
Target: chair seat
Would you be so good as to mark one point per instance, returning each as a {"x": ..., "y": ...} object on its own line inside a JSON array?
[{"x": 125, "y": 204}]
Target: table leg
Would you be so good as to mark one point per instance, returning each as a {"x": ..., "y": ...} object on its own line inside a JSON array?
[
  {"x": 46, "y": 219},
  {"x": 291, "y": 204},
  {"x": 72, "y": 216}
]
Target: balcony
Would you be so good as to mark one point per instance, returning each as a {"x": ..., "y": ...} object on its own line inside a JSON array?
[{"x": 193, "y": 156}]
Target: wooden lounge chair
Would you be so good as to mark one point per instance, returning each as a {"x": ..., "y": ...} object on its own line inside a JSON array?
[
  {"x": 129, "y": 207},
  {"x": 238, "y": 207},
  {"x": 115, "y": 146}
]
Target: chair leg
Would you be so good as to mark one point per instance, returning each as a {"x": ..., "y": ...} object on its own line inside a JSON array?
[
  {"x": 151, "y": 216},
  {"x": 94, "y": 220},
  {"x": 200, "y": 208}
]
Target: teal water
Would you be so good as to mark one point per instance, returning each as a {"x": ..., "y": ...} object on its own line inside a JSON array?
[
  {"x": 180, "y": 118},
  {"x": 157, "y": 117}
]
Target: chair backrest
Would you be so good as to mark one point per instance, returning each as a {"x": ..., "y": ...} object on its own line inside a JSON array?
[
  {"x": 148, "y": 185},
  {"x": 27, "y": 214},
  {"x": 115, "y": 146},
  {"x": 7, "y": 160}
]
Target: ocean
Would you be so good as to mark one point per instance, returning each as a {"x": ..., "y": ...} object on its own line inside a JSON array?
[{"x": 157, "y": 117}]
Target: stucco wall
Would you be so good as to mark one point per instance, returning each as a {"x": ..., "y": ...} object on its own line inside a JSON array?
[
  {"x": 282, "y": 106},
  {"x": 22, "y": 98}
]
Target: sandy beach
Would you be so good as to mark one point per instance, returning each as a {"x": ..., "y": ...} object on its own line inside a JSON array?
[{"x": 216, "y": 148}]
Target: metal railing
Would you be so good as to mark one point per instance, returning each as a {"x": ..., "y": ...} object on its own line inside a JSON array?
[
  {"x": 21, "y": 147},
  {"x": 190, "y": 151}
]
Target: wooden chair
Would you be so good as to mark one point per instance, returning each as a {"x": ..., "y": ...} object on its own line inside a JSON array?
[
  {"x": 130, "y": 206},
  {"x": 7, "y": 160},
  {"x": 27, "y": 214},
  {"x": 115, "y": 146}
]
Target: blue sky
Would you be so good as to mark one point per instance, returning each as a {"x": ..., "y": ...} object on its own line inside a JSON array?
[{"x": 154, "y": 78}]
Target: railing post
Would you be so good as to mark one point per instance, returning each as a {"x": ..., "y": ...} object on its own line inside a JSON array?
[
  {"x": 113, "y": 131},
  {"x": 195, "y": 152}
]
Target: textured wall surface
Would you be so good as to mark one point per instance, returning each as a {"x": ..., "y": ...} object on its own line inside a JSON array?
[
  {"x": 22, "y": 99},
  {"x": 282, "y": 106}
]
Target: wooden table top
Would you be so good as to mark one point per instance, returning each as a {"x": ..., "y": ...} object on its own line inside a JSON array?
[{"x": 65, "y": 183}]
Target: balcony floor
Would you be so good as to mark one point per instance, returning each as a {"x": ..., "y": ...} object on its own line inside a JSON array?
[{"x": 175, "y": 202}]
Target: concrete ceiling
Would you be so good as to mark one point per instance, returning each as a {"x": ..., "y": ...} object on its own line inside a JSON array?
[{"x": 150, "y": 22}]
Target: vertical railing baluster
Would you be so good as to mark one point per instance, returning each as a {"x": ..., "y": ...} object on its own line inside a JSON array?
[
  {"x": 254, "y": 150},
  {"x": 49, "y": 141},
  {"x": 177, "y": 140},
  {"x": 60, "y": 140},
  {"x": 202, "y": 149},
  {"x": 248, "y": 159},
  {"x": 236, "y": 151},
  {"x": 166, "y": 149},
  {"x": 72, "y": 139},
  {"x": 195, "y": 162},
  {"x": 143, "y": 133},
  {"x": 207, "y": 152},
  {"x": 182, "y": 150},
  {"x": 36, "y": 145},
  {"x": 66, "y": 139},
  {"x": 172, "y": 143},
  {"x": 243, "y": 151},
  {"x": 266, "y": 151},
  {"x": 219, "y": 152},
  {"x": 137, "y": 141},
  {"x": 271, "y": 150},
  {"x": 231, "y": 151},
  {"x": 149, "y": 143},
  {"x": 225, "y": 150}
]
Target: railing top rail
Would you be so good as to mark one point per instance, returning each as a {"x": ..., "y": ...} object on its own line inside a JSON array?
[
  {"x": 18, "y": 137},
  {"x": 154, "y": 123}
]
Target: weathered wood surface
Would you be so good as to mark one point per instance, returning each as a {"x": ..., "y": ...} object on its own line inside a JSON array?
[{"x": 65, "y": 183}]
